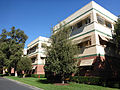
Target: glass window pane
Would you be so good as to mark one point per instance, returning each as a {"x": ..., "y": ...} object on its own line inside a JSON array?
[
  {"x": 100, "y": 20},
  {"x": 108, "y": 24}
]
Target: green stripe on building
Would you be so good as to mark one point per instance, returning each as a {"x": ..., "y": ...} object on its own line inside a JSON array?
[
  {"x": 84, "y": 14},
  {"x": 89, "y": 56}
]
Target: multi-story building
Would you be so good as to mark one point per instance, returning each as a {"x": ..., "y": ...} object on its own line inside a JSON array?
[
  {"x": 92, "y": 28},
  {"x": 36, "y": 51}
]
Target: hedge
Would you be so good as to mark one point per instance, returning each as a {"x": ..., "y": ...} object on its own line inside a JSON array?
[
  {"x": 106, "y": 82},
  {"x": 38, "y": 75},
  {"x": 86, "y": 80}
]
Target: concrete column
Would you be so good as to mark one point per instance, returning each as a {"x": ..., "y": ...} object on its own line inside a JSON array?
[
  {"x": 93, "y": 16},
  {"x": 93, "y": 39}
]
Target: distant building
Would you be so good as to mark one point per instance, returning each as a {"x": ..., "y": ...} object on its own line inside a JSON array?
[
  {"x": 36, "y": 51},
  {"x": 25, "y": 51},
  {"x": 92, "y": 28}
]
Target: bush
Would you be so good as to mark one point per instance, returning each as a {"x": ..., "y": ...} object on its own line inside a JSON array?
[
  {"x": 42, "y": 75},
  {"x": 20, "y": 75},
  {"x": 38, "y": 75},
  {"x": 1, "y": 75},
  {"x": 86, "y": 80},
  {"x": 28, "y": 75}
]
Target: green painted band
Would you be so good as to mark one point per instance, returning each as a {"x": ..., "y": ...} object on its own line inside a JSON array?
[
  {"x": 89, "y": 56},
  {"x": 103, "y": 14},
  {"x": 75, "y": 18},
  {"x": 36, "y": 42},
  {"x": 83, "y": 14},
  {"x": 37, "y": 64},
  {"x": 90, "y": 32}
]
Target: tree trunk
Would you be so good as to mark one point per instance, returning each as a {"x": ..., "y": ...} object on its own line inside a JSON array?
[
  {"x": 16, "y": 74},
  {"x": 3, "y": 71},
  {"x": 24, "y": 75},
  {"x": 63, "y": 79},
  {"x": 63, "y": 82}
]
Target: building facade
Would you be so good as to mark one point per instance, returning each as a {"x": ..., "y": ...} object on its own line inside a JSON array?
[
  {"x": 92, "y": 27},
  {"x": 36, "y": 51}
]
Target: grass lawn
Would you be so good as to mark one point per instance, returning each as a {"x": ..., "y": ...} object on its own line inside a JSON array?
[{"x": 41, "y": 83}]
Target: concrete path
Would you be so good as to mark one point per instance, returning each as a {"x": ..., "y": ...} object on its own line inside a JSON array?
[{"x": 7, "y": 84}]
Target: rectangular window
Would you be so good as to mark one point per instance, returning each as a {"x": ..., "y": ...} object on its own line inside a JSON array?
[
  {"x": 33, "y": 59},
  {"x": 100, "y": 20},
  {"x": 84, "y": 44},
  {"x": 87, "y": 20},
  {"x": 79, "y": 24},
  {"x": 108, "y": 24}
]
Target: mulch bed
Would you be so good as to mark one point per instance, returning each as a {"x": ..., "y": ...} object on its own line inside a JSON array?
[{"x": 60, "y": 84}]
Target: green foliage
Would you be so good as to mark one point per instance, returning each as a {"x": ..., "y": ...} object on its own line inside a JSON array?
[
  {"x": 60, "y": 54},
  {"x": 37, "y": 75},
  {"x": 42, "y": 75},
  {"x": 25, "y": 64},
  {"x": 34, "y": 75},
  {"x": 116, "y": 36},
  {"x": 11, "y": 47},
  {"x": 106, "y": 82},
  {"x": 86, "y": 79}
]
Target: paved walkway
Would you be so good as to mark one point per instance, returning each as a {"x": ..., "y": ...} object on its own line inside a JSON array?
[{"x": 6, "y": 84}]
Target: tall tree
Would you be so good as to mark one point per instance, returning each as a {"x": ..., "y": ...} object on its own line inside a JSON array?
[
  {"x": 60, "y": 54},
  {"x": 14, "y": 44},
  {"x": 116, "y": 36},
  {"x": 3, "y": 49}
]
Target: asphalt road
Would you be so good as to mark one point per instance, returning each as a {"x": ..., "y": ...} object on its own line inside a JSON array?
[{"x": 6, "y": 84}]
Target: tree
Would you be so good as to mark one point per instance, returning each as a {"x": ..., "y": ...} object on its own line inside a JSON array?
[
  {"x": 25, "y": 64},
  {"x": 12, "y": 44},
  {"x": 60, "y": 54},
  {"x": 116, "y": 36},
  {"x": 3, "y": 49}
]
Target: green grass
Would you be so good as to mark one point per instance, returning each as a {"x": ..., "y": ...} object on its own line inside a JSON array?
[{"x": 42, "y": 83}]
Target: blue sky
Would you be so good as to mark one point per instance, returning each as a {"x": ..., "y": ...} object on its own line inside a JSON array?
[{"x": 36, "y": 17}]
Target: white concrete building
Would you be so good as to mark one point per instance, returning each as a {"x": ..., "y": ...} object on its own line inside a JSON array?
[
  {"x": 92, "y": 28},
  {"x": 36, "y": 51}
]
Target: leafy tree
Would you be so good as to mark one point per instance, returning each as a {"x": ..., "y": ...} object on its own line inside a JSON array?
[
  {"x": 116, "y": 36},
  {"x": 3, "y": 48},
  {"x": 12, "y": 44},
  {"x": 60, "y": 54},
  {"x": 25, "y": 64}
]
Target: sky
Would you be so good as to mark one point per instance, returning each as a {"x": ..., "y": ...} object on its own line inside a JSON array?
[{"x": 37, "y": 17}]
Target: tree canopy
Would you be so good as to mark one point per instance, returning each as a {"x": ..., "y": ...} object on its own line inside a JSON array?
[
  {"x": 116, "y": 36},
  {"x": 25, "y": 64},
  {"x": 11, "y": 47},
  {"x": 60, "y": 54}
]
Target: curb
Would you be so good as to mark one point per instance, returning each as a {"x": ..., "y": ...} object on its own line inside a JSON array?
[{"x": 24, "y": 84}]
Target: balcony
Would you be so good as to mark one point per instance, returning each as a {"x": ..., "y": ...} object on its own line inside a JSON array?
[
  {"x": 32, "y": 52},
  {"x": 35, "y": 62},
  {"x": 77, "y": 31}
]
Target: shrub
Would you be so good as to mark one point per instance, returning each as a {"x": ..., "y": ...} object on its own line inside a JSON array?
[
  {"x": 86, "y": 80},
  {"x": 42, "y": 75},
  {"x": 20, "y": 75},
  {"x": 1, "y": 75},
  {"x": 28, "y": 75},
  {"x": 37, "y": 75}
]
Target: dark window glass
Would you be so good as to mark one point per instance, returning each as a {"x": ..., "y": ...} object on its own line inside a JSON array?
[
  {"x": 87, "y": 20},
  {"x": 100, "y": 20},
  {"x": 79, "y": 24},
  {"x": 108, "y": 24},
  {"x": 84, "y": 44},
  {"x": 33, "y": 59}
]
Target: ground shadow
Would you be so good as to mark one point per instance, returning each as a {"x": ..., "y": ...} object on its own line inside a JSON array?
[{"x": 44, "y": 81}]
